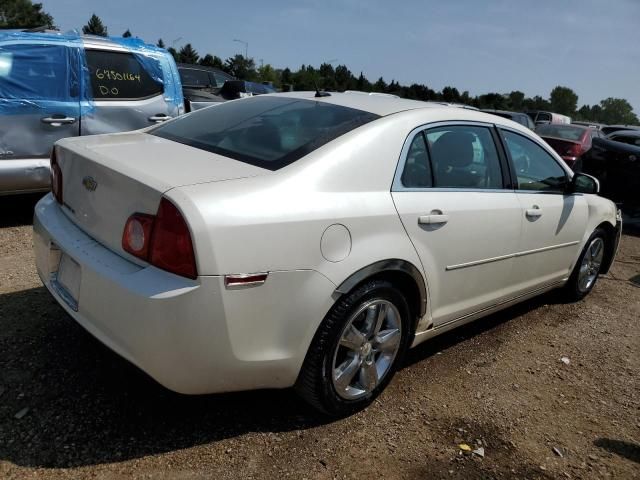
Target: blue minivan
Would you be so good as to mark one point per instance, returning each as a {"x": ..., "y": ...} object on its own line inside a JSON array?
[{"x": 56, "y": 85}]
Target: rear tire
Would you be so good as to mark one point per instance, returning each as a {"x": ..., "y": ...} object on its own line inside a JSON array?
[
  {"x": 585, "y": 272},
  {"x": 356, "y": 349}
]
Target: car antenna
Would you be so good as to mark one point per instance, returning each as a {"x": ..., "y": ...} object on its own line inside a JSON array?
[{"x": 318, "y": 92}]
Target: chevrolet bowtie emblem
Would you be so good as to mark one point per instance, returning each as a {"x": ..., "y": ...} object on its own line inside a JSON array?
[{"x": 89, "y": 183}]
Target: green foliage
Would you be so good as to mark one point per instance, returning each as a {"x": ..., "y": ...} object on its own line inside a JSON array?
[
  {"x": 95, "y": 27},
  {"x": 23, "y": 14},
  {"x": 211, "y": 61},
  {"x": 614, "y": 111},
  {"x": 126, "y": 34},
  {"x": 563, "y": 100},
  {"x": 241, "y": 67},
  {"x": 188, "y": 54}
]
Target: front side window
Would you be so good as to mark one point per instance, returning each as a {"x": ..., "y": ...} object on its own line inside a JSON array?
[
  {"x": 37, "y": 72},
  {"x": 120, "y": 76},
  {"x": 535, "y": 169},
  {"x": 464, "y": 157},
  {"x": 269, "y": 132}
]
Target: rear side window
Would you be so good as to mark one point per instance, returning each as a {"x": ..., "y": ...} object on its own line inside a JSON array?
[
  {"x": 37, "y": 72},
  {"x": 417, "y": 168},
  {"x": 120, "y": 76},
  {"x": 464, "y": 157},
  {"x": 269, "y": 132},
  {"x": 191, "y": 77}
]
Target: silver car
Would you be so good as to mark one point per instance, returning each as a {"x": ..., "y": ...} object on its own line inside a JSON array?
[{"x": 54, "y": 86}]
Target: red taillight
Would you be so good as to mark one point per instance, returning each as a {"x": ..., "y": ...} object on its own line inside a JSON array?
[
  {"x": 163, "y": 240},
  {"x": 56, "y": 177},
  {"x": 137, "y": 235},
  {"x": 575, "y": 150},
  {"x": 171, "y": 247}
]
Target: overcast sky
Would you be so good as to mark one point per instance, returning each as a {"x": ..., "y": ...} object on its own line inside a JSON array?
[{"x": 592, "y": 46}]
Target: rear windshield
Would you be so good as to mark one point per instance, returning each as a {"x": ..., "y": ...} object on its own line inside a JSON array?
[
  {"x": 566, "y": 132},
  {"x": 269, "y": 132}
]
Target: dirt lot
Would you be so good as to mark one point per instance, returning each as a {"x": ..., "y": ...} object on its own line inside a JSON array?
[{"x": 498, "y": 383}]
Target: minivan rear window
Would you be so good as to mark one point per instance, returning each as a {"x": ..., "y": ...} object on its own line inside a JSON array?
[{"x": 268, "y": 132}]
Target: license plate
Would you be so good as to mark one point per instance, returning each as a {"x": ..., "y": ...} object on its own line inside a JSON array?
[{"x": 67, "y": 280}]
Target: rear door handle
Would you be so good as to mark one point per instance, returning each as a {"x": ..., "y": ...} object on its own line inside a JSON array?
[
  {"x": 433, "y": 219},
  {"x": 534, "y": 212},
  {"x": 160, "y": 117},
  {"x": 57, "y": 120}
]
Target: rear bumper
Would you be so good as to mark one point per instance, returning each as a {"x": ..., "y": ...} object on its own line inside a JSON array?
[
  {"x": 192, "y": 336},
  {"x": 24, "y": 176}
]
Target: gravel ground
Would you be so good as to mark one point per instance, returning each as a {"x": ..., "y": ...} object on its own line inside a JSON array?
[{"x": 69, "y": 408}]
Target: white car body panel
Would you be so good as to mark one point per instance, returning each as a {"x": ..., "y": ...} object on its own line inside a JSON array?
[{"x": 197, "y": 336}]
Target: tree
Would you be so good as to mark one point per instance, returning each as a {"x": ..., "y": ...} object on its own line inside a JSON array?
[
  {"x": 450, "y": 94},
  {"x": 563, "y": 100},
  {"x": 126, "y": 34},
  {"x": 241, "y": 67},
  {"x": 174, "y": 53},
  {"x": 617, "y": 111},
  {"x": 380, "y": 85},
  {"x": 211, "y": 61},
  {"x": 95, "y": 27},
  {"x": 188, "y": 54},
  {"x": 266, "y": 73},
  {"x": 160, "y": 43},
  {"x": 516, "y": 100},
  {"x": 23, "y": 14}
]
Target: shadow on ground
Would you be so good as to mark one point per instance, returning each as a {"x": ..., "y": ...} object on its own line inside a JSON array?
[
  {"x": 17, "y": 210},
  {"x": 627, "y": 450},
  {"x": 88, "y": 406}
]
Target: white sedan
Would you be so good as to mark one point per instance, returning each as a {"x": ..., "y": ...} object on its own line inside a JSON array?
[{"x": 308, "y": 240}]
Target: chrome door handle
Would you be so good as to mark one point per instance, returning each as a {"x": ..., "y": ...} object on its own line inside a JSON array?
[
  {"x": 434, "y": 219},
  {"x": 57, "y": 121},
  {"x": 161, "y": 117},
  {"x": 534, "y": 212}
]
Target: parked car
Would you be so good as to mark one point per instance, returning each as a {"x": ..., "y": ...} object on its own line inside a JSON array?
[
  {"x": 233, "y": 89},
  {"x": 607, "y": 129},
  {"x": 308, "y": 240},
  {"x": 540, "y": 117},
  {"x": 597, "y": 126},
  {"x": 615, "y": 161},
  {"x": 570, "y": 141},
  {"x": 201, "y": 85},
  {"x": 521, "y": 118},
  {"x": 54, "y": 86}
]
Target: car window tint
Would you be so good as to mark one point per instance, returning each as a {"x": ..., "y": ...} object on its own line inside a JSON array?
[
  {"x": 627, "y": 140},
  {"x": 31, "y": 72},
  {"x": 543, "y": 117},
  {"x": 221, "y": 78},
  {"x": 535, "y": 168},
  {"x": 119, "y": 76},
  {"x": 417, "y": 169},
  {"x": 191, "y": 77},
  {"x": 269, "y": 132},
  {"x": 464, "y": 157}
]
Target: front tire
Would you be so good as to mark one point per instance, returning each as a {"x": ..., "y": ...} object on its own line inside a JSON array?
[
  {"x": 356, "y": 349},
  {"x": 587, "y": 268}
]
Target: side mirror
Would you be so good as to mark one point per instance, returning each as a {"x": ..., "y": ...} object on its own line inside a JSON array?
[{"x": 583, "y": 183}]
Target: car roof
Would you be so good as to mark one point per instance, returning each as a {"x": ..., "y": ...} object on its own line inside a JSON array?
[
  {"x": 629, "y": 133},
  {"x": 194, "y": 66},
  {"x": 377, "y": 103}
]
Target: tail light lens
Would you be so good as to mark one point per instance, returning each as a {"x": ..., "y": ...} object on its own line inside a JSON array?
[
  {"x": 575, "y": 150},
  {"x": 56, "y": 177},
  {"x": 163, "y": 240}
]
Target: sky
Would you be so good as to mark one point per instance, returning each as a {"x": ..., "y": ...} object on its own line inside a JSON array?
[{"x": 591, "y": 46}]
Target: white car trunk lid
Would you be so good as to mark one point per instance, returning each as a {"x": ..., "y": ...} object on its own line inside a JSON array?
[{"x": 108, "y": 178}]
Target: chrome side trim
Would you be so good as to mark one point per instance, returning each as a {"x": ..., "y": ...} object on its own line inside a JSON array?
[
  {"x": 528, "y": 293},
  {"x": 510, "y": 255},
  {"x": 387, "y": 266}
]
